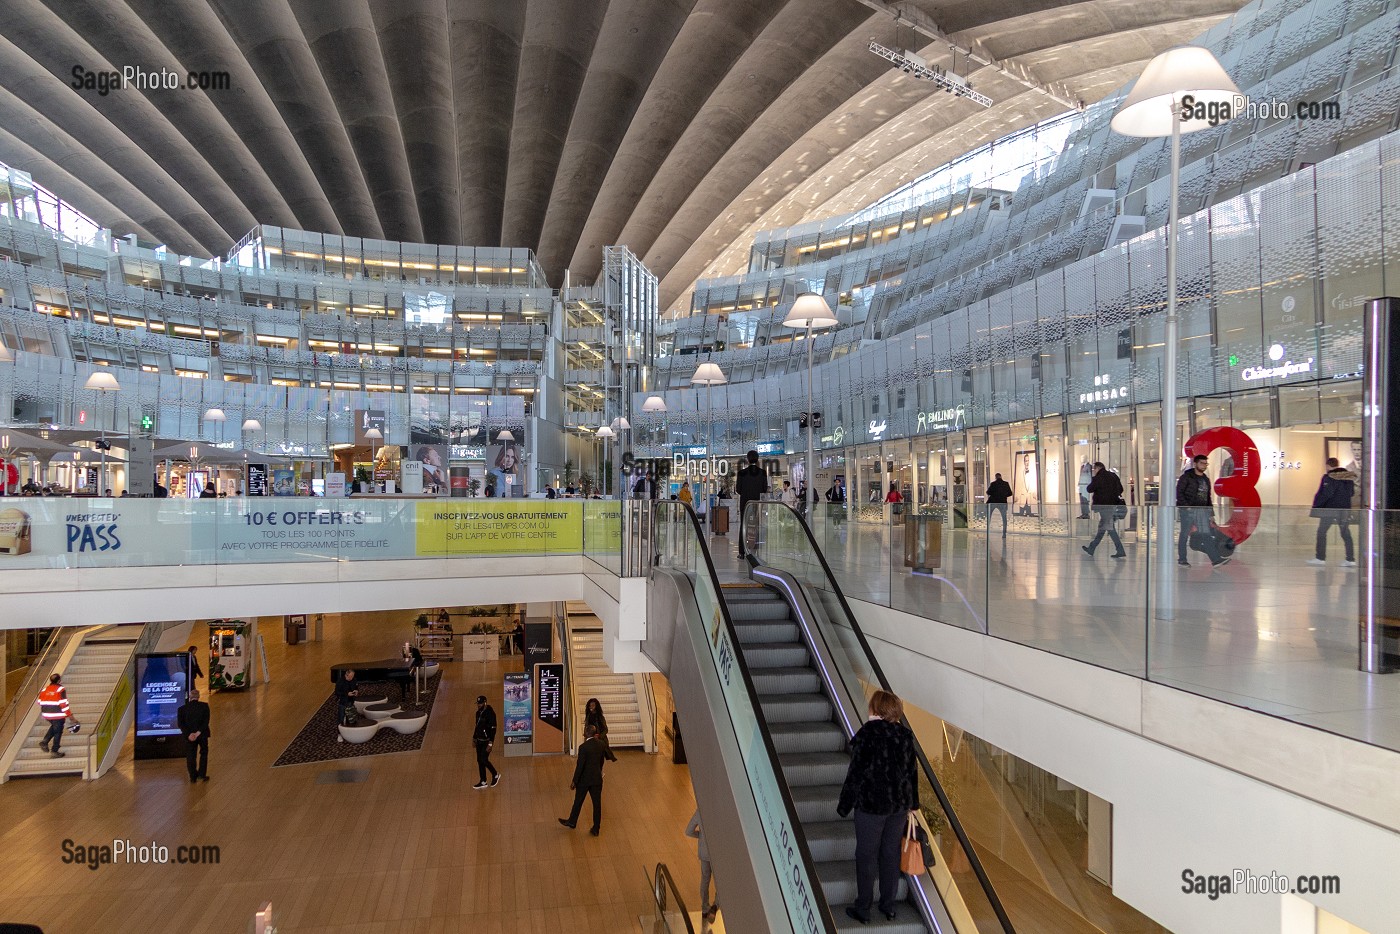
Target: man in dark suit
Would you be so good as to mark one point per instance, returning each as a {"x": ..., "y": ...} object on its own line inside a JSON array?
[
  {"x": 588, "y": 779},
  {"x": 193, "y": 718},
  {"x": 483, "y": 737},
  {"x": 753, "y": 484}
]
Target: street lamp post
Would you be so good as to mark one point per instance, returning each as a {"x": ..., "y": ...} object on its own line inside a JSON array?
[
  {"x": 809, "y": 311},
  {"x": 505, "y": 436},
  {"x": 620, "y": 427},
  {"x": 372, "y": 435},
  {"x": 102, "y": 381},
  {"x": 709, "y": 375},
  {"x": 1154, "y": 109},
  {"x": 605, "y": 433}
]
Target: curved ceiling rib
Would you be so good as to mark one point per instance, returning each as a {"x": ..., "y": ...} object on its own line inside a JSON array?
[
  {"x": 192, "y": 32},
  {"x": 559, "y": 39},
  {"x": 268, "y": 35},
  {"x": 485, "y": 41},
  {"x": 17, "y": 153},
  {"x": 345, "y": 44},
  {"x": 119, "y": 35},
  {"x": 413, "y": 39},
  {"x": 678, "y": 128},
  {"x": 634, "y": 41},
  {"x": 712, "y": 39}
]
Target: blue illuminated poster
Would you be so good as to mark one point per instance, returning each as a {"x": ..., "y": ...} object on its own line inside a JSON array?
[
  {"x": 517, "y": 709},
  {"x": 161, "y": 683}
]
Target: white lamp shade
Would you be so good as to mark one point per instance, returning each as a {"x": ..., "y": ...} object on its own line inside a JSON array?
[
  {"x": 810, "y": 310},
  {"x": 215, "y": 415},
  {"x": 371, "y": 434},
  {"x": 620, "y": 424},
  {"x": 1171, "y": 76},
  {"x": 102, "y": 381},
  {"x": 605, "y": 432},
  {"x": 708, "y": 374},
  {"x": 252, "y": 424},
  {"x": 6, "y": 354},
  {"x": 505, "y": 436},
  {"x": 654, "y": 404}
]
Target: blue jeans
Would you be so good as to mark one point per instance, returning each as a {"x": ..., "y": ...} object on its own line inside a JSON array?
[
  {"x": 55, "y": 733},
  {"x": 996, "y": 507}
]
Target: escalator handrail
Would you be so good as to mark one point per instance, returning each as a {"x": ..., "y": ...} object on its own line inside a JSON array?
[
  {"x": 662, "y": 872},
  {"x": 808, "y": 864},
  {"x": 953, "y": 823}
]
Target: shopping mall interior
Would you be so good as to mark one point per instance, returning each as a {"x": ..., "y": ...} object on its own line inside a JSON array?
[{"x": 677, "y": 377}]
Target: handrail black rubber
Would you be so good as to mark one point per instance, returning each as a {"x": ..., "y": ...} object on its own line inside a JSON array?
[
  {"x": 818, "y": 896},
  {"x": 663, "y": 872},
  {"x": 954, "y": 824}
]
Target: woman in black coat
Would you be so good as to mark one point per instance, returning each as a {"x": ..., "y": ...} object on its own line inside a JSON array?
[
  {"x": 593, "y": 716},
  {"x": 882, "y": 787}
]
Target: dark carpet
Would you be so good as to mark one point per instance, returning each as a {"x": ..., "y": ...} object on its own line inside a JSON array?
[{"x": 317, "y": 741}]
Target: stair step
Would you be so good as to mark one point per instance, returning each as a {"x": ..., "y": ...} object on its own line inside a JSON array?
[
  {"x": 754, "y": 633},
  {"x": 838, "y": 881},
  {"x": 48, "y": 765},
  {"x": 907, "y": 920},
  {"x": 776, "y": 655},
  {"x": 829, "y": 840},
  {"x": 786, "y": 681},
  {"x": 817, "y": 803}
]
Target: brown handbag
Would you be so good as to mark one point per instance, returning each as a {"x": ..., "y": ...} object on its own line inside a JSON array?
[{"x": 911, "y": 852}]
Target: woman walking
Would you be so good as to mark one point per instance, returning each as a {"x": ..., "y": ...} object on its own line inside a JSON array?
[
  {"x": 882, "y": 787},
  {"x": 593, "y": 716}
]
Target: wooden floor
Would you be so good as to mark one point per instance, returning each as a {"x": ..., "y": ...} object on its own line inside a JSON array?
[{"x": 412, "y": 848}]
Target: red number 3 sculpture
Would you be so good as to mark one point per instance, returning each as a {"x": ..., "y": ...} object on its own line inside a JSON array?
[{"x": 1240, "y": 485}]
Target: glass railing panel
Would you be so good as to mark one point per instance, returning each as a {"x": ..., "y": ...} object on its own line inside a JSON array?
[
  {"x": 681, "y": 547},
  {"x": 784, "y": 544}
]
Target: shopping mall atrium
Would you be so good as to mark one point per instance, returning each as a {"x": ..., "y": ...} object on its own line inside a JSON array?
[{"x": 638, "y": 388}]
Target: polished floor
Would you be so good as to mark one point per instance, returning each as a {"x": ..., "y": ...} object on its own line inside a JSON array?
[
  {"x": 411, "y": 847},
  {"x": 1267, "y": 631}
]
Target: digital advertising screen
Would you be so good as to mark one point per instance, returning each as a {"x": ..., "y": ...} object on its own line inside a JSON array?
[{"x": 162, "y": 681}]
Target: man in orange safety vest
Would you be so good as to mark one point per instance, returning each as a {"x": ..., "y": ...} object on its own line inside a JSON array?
[{"x": 53, "y": 707}]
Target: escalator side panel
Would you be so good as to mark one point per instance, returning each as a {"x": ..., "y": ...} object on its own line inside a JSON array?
[{"x": 734, "y": 825}]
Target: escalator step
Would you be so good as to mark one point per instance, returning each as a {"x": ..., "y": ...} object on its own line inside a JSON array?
[
  {"x": 757, "y": 633},
  {"x": 795, "y": 708},
  {"x": 786, "y": 681},
  {"x": 830, "y": 840},
  {"x": 838, "y": 879},
  {"x": 906, "y": 920},
  {"x": 814, "y": 768},
  {"x": 818, "y": 803},
  {"x": 756, "y": 609},
  {"x": 776, "y": 655},
  {"x": 807, "y": 737}
]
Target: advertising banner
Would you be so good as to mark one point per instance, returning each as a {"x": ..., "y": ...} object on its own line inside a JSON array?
[
  {"x": 432, "y": 462},
  {"x": 42, "y": 532},
  {"x": 228, "y": 654},
  {"x": 304, "y": 530},
  {"x": 335, "y": 484},
  {"x": 411, "y": 477},
  {"x": 504, "y": 527},
  {"x": 460, "y": 478},
  {"x": 549, "y": 707},
  {"x": 257, "y": 480},
  {"x": 365, "y": 419},
  {"x": 517, "y": 711},
  {"x": 539, "y": 644},
  {"x": 162, "y": 682},
  {"x": 284, "y": 482}
]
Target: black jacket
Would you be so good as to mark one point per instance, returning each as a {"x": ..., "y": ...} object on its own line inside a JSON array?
[
  {"x": 752, "y": 483},
  {"x": 344, "y": 689},
  {"x": 1192, "y": 490},
  {"x": 193, "y": 717},
  {"x": 1336, "y": 490},
  {"x": 1106, "y": 489},
  {"x": 485, "y": 731},
  {"x": 884, "y": 774},
  {"x": 837, "y": 494},
  {"x": 999, "y": 492},
  {"x": 195, "y": 670},
  {"x": 589, "y": 771},
  {"x": 599, "y": 721}
]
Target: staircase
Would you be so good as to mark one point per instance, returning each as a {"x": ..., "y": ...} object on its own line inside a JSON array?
[
  {"x": 616, "y": 692},
  {"x": 90, "y": 677},
  {"x": 811, "y": 747}
]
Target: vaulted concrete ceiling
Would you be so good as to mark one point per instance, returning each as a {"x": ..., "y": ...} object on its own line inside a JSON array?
[{"x": 676, "y": 127}]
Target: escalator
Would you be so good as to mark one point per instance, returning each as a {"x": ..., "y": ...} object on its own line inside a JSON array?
[{"x": 770, "y": 678}]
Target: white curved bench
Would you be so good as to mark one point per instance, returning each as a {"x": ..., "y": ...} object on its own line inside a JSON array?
[
  {"x": 370, "y": 701},
  {"x": 382, "y": 711},
  {"x": 404, "y": 722}
]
